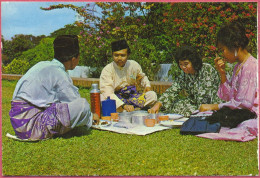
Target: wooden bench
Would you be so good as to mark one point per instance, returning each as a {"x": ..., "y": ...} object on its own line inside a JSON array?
[{"x": 157, "y": 86}]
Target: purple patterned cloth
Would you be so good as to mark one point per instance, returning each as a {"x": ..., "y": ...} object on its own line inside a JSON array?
[
  {"x": 129, "y": 95},
  {"x": 34, "y": 123}
]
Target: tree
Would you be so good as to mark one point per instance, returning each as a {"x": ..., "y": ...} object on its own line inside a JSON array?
[
  {"x": 17, "y": 45},
  {"x": 42, "y": 52},
  {"x": 155, "y": 30},
  {"x": 70, "y": 29},
  {"x": 196, "y": 24},
  {"x": 98, "y": 33},
  {"x": 7, "y": 51}
]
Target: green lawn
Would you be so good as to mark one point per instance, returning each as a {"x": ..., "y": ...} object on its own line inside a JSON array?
[{"x": 92, "y": 152}]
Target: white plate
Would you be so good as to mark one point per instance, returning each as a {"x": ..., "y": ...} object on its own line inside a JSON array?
[
  {"x": 174, "y": 116},
  {"x": 104, "y": 123},
  {"x": 173, "y": 123}
]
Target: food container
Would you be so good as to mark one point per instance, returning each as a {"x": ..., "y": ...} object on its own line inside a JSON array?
[
  {"x": 150, "y": 122},
  {"x": 163, "y": 118},
  {"x": 115, "y": 117},
  {"x": 108, "y": 106},
  {"x": 125, "y": 117},
  {"x": 139, "y": 111},
  {"x": 107, "y": 118},
  {"x": 139, "y": 117}
]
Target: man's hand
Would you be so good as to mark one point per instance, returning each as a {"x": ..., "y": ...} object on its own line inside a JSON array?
[
  {"x": 129, "y": 108},
  {"x": 155, "y": 109}
]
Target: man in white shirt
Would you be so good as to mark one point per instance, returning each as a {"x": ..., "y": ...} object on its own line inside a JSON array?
[
  {"x": 120, "y": 78},
  {"x": 45, "y": 101}
]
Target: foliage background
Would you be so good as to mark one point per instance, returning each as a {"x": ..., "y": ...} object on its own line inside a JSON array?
[{"x": 153, "y": 31}]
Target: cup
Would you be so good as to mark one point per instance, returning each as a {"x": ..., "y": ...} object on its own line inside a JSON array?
[
  {"x": 115, "y": 117},
  {"x": 150, "y": 122},
  {"x": 138, "y": 118},
  {"x": 125, "y": 117},
  {"x": 155, "y": 116}
]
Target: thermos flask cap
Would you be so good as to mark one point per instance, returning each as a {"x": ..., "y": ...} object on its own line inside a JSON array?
[{"x": 94, "y": 88}]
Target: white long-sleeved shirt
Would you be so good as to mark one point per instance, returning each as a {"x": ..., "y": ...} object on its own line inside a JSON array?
[
  {"x": 114, "y": 78},
  {"x": 45, "y": 83}
]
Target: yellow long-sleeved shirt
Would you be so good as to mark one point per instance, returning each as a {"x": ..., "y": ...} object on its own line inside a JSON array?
[{"x": 114, "y": 78}]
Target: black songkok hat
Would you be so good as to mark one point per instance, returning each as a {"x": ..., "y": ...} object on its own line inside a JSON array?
[
  {"x": 66, "y": 47},
  {"x": 119, "y": 45}
]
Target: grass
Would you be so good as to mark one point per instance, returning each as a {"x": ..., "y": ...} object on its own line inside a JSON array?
[{"x": 92, "y": 152}]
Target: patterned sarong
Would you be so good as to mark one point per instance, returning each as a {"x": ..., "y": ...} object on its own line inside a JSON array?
[
  {"x": 33, "y": 123},
  {"x": 129, "y": 95}
]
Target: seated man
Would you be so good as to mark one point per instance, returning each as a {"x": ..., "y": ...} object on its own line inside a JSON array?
[
  {"x": 45, "y": 101},
  {"x": 119, "y": 80}
]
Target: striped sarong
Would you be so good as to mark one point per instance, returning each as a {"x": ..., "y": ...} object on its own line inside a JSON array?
[{"x": 34, "y": 123}]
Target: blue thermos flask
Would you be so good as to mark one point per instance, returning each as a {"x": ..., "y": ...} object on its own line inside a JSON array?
[{"x": 108, "y": 106}]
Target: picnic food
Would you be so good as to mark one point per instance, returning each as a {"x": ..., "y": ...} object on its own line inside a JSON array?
[
  {"x": 104, "y": 123},
  {"x": 108, "y": 118},
  {"x": 163, "y": 118}
]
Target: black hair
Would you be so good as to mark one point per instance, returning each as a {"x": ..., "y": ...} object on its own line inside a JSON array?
[
  {"x": 66, "y": 47},
  {"x": 119, "y": 45},
  {"x": 233, "y": 36},
  {"x": 189, "y": 53}
]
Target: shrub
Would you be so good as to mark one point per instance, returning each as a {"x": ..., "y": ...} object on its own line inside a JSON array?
[
  {"x": 146, "y": 54},
  {"x": 42, "y": 52},
  {"x": 17, "y": 66}
]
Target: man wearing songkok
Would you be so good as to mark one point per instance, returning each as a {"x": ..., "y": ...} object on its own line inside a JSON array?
[
  {"x": 120, "y": 78},
  {"x": 45, "y": 101}
]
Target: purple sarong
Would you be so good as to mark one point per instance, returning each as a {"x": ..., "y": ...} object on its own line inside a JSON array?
[
  {"x": 129, "y": 95},
  {"x": 33, "y": 123}
]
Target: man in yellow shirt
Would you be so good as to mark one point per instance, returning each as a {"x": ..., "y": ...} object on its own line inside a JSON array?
[{"x": 120, "y": 78}]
